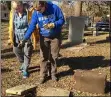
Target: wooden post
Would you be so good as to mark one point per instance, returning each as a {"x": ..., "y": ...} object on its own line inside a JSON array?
[{"x": 78, "y": 8}]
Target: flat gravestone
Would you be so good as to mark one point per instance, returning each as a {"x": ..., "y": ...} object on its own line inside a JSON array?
[
  {"x": 77, "y": 48},
  {"x": 56, "y": 92},
  {"x": 21, "y": 90}
]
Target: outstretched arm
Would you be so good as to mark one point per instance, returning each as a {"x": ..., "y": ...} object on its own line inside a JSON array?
[
  {"x": 32, "y": 26},
  {"x": 30, "y": 30}
]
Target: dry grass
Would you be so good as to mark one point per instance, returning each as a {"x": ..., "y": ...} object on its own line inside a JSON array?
[{"x": 96, "y": 56}]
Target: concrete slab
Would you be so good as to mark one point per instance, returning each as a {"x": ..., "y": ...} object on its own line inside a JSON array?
[
  {"x": 77, "y": 48},
  {"x": 21, "y": 89}
]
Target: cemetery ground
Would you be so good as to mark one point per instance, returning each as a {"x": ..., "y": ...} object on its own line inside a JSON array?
[{"x": 96, "y": 56}]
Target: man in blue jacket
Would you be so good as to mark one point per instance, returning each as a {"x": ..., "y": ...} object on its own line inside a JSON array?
[{"x": 50, "y": 20}]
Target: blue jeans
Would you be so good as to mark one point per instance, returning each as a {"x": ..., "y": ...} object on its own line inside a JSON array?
[{"x": 24, "y": 55}]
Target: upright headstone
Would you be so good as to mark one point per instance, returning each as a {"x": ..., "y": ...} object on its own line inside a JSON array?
[{"x": 76, "y": 29}]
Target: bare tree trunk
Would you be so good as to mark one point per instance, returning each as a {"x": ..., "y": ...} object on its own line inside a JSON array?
[{"x": 78, "y": 8}]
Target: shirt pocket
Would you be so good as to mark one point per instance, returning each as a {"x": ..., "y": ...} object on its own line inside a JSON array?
[{"x": 24, "y": 22}]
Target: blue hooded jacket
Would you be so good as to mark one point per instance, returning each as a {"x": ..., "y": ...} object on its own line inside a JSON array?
[{"x": 53, "y": 14}]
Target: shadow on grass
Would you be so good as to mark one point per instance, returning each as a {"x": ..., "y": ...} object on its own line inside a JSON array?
[
  {"x": 11, "y": 50},
  {"x": 83, "y": 63},
  {"x": 71, "y": 94},
  {"x": 7, "y": 50},
  {"x": 104, "y": 41},
  {"x": 107, "y": 40},
  {"x": 87, "y": 63},
  {"x": 34, "y": 69},
  {"x": 90, "y": 33},
  {"x": 3, "y": 70},
  {"x": 8, "y": 56},
  {"x": 68, "y": 44},
  {"x": 65, "y": 73},
  {"x": 108, "y": 87},
  {"x": 8, "y": 53}
]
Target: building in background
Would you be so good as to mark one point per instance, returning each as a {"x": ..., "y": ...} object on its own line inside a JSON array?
[{"x": 4, "y": 11}]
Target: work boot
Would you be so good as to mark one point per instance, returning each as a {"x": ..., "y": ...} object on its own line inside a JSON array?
[
  {"x": 25, "y": 74},
  {"x": 54, "y": 78},
  {"x": 42, "y": 80}
]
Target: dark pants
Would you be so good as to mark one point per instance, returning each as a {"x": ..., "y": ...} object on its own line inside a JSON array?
[
  {"x": 23, "y": 55},
  {"x": 49, "y": 50}
]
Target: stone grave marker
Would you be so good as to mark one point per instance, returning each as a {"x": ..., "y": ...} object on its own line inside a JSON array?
[
  {"x": 90, "y": 81},
  {"x": 22, "y": 90}
]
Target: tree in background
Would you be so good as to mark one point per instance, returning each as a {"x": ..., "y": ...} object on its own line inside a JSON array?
[
  {"x": 81, "y": 8},
  {"x": 67, "y": 8},
  {"x": 78, "y": 8},
  {"x": 95, "y": 9},
  {"x": 85, "y": 8}
]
